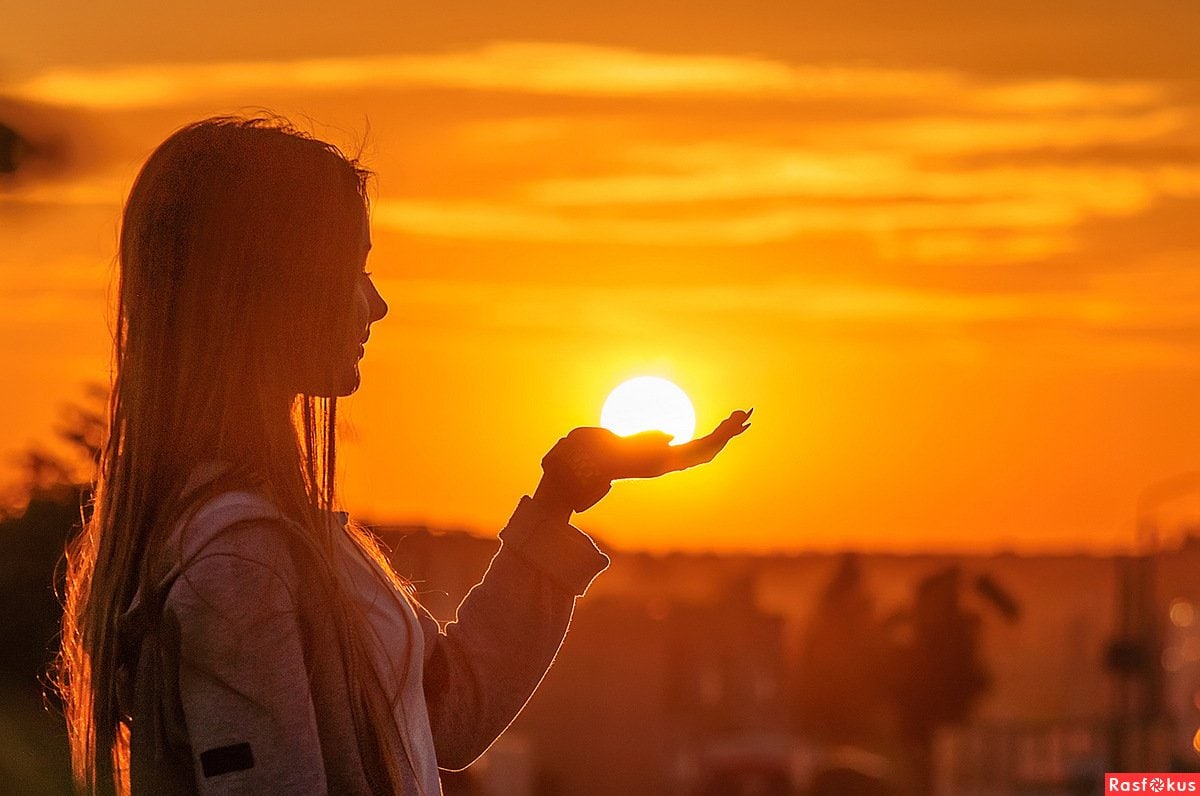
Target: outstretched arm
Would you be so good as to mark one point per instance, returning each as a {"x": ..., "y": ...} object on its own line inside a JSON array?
[{"x": 483, "y": 668}]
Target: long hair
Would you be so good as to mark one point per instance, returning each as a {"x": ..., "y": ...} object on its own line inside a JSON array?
[{"x": 239, "y": 249}]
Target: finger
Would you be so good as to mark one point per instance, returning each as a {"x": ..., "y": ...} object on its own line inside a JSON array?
[
  {"x": 729, "y": 426},
  {"x": 654, "y": 435},
  {"x": 738, "y": 416},
  {"x": 705, "y": 449}
]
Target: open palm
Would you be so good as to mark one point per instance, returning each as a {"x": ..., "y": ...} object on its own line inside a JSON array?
[{"x": 582, "y": 465}]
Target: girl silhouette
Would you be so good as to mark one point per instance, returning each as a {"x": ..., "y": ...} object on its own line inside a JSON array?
[{"x": 226, "y": 629}]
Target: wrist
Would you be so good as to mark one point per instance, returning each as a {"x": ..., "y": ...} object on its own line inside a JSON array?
[{"x": 552, "y": 501}]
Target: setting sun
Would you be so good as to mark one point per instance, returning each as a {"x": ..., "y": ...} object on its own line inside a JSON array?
[{"x": 649, "y": 403}]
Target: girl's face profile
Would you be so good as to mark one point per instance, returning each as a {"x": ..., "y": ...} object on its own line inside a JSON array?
[{"x": 340, "y": 377}]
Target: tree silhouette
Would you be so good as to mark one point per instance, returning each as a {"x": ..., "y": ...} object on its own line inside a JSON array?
[
  {"x": 839, "y": 693},
  {"x": 46, "y": 475},
  {"x": 938, "y": 670},
  {"x": 42, "y": 511},
  {"x": 10, "y": 145}
]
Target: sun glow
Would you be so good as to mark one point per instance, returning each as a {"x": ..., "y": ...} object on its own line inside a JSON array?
[{"x": 649, "y": 403}]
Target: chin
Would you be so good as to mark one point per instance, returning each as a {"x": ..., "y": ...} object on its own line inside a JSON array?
[
  {"x": 344, "y": 385},
  {"x": 349, "y": 386}
]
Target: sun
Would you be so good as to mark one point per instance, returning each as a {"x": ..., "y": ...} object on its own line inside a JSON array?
[{"x": 649, "y": 403}]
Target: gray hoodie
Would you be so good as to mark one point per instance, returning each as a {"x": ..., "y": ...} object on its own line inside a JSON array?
[{"x": 240, "y": 687}]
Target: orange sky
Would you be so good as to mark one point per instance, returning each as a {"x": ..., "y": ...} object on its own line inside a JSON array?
[{"x": 949, "y": 253}]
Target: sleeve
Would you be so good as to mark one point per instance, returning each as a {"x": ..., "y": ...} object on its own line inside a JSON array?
[
  {"x": 482, "y": 668},
  {"x": 243, "y": 680}
]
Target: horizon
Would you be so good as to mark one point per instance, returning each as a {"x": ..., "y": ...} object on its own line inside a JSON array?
[{"x": 1187, "y": 536}]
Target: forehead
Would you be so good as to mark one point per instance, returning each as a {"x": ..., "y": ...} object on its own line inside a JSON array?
[{"x": 366, "y": 231}]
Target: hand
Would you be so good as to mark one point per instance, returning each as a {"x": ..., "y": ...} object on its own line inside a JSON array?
[{"x": 580, "y": 468}]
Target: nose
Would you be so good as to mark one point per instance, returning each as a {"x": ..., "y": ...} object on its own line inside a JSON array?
[{"x": 378, "y": 307}]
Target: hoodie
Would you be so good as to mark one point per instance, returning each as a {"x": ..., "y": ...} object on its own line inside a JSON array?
[{"x": 238, "y": 685}]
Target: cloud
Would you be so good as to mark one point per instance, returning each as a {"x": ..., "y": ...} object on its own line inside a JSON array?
[
  {"x": 572, "y": 69},
  {"x": 1150, "y": 320},
  {"x": 1004, "y": 219},
  {"x": 647, "y": 308},
  {"x": 38, "y": 141},
  {"x": 514, "y": 222},
  {"x": 1065, "y": 93},
  {"x": 730, "y": 171},
  {"x": 968, "y": 135},
  {"x": 540, "y": 68},
  {"x": 921, "y": 161},
  {"x": 961, "y": 211},
  {"x": 98, "y": 190}
]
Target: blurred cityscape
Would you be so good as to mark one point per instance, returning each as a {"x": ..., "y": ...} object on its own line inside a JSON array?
[
  {"x": 816, "y": 673},
  {"x": 846, "y": 673}
]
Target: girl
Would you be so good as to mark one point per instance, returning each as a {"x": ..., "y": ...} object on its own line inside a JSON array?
[{"x": 225, "y": 629}]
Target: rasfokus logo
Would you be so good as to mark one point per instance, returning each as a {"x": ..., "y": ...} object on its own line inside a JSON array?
[{"x": 1151, "y": 783}]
